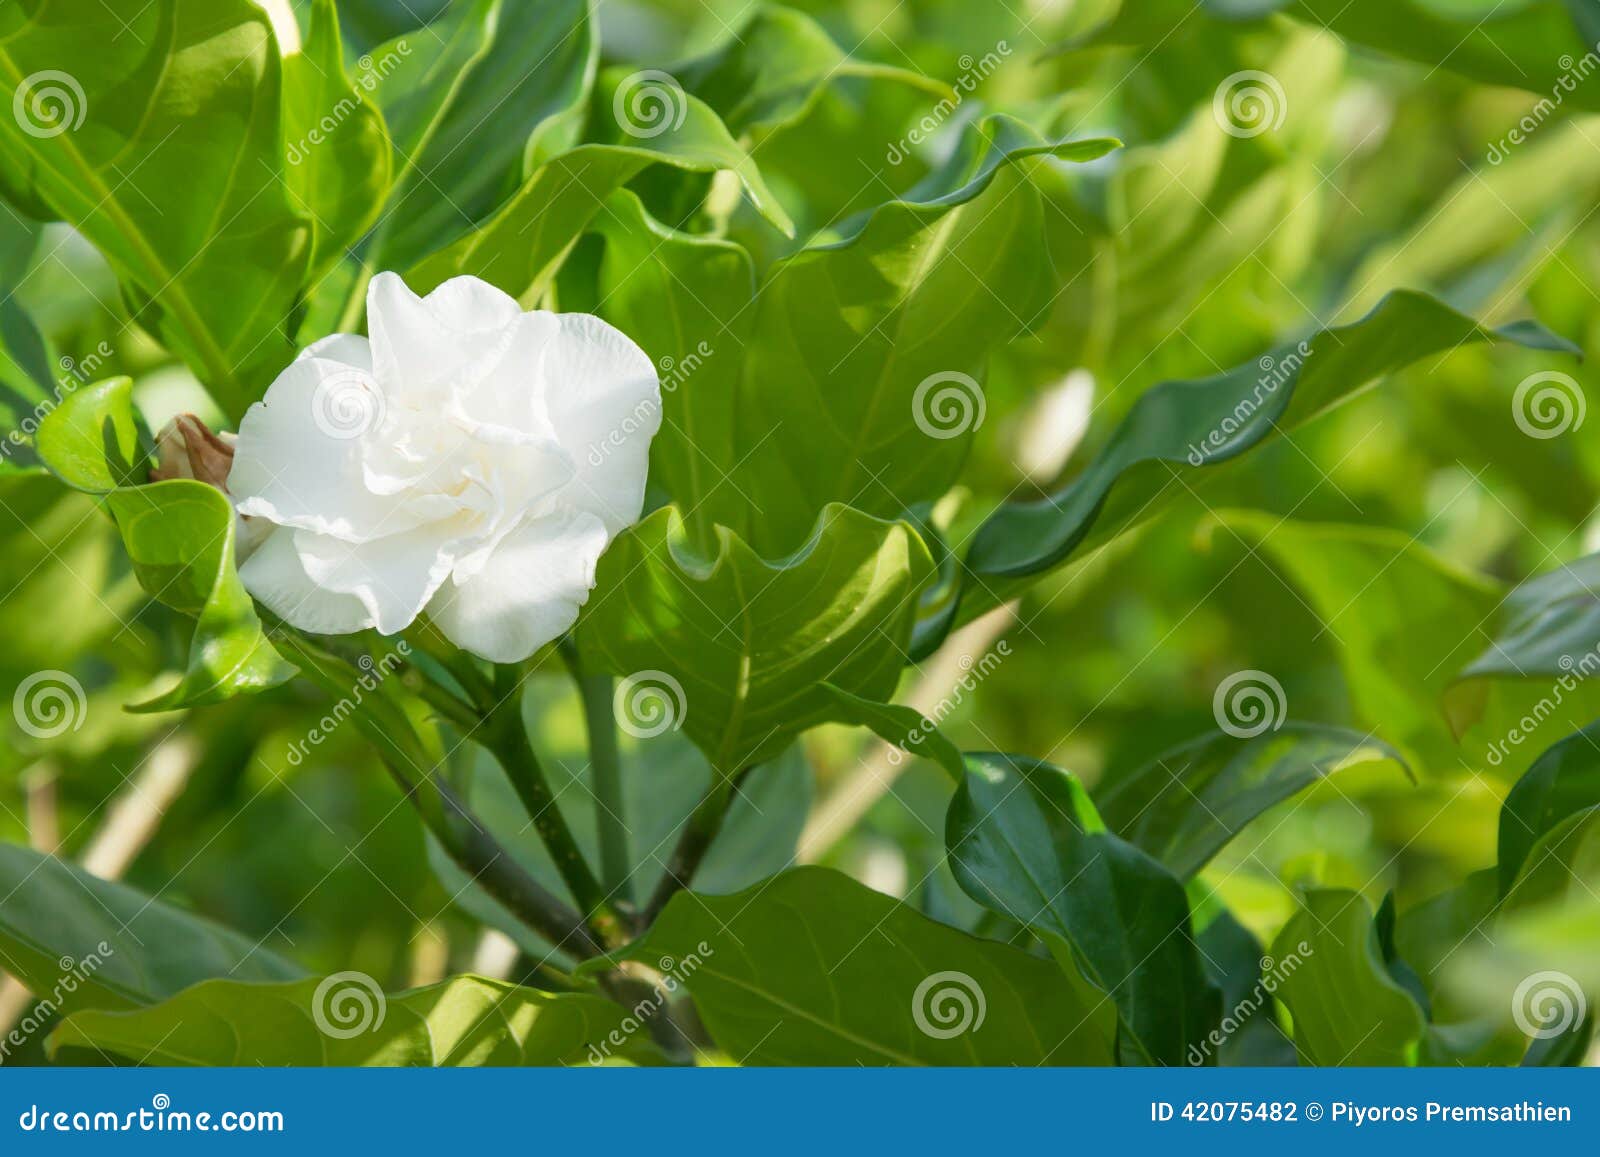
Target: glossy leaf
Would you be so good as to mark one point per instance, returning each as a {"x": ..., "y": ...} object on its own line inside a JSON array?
[
  {"x": 747, "y": 641},
  {"x": 1346, "y": 1008},
  {"x": 338, "y": 154},
  {"x": 1024, "y": 841},
  {"x": 92, "y": 440},
  {"x": 173, "y": 168},
  {"x": 902, "y": 726},
  {"x": 91, "y": 943},
  {"x": 1186, "y": 804},
  {"x": 1562, "y": 782},
  {"x": 812, "y": 968},
  {"x": 864, "y": 380},
  {"x": 344, "y": 1019},
  {"x": 180, "y": 536},
  {"x": 1177, "y": 428}
]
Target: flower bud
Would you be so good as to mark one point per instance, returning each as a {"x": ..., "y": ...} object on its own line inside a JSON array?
[{"x": 187, "y": 448}]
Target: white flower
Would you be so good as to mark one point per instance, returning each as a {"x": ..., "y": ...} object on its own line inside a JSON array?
[{"x": 440, "y": 466}]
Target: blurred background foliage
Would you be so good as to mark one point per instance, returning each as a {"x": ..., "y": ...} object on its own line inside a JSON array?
[{"x": 1194, "y": 250}]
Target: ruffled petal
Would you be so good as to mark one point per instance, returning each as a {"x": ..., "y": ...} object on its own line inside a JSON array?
[
  {"x": 421, "y": 345},
  {"x": 392, "y": 577},
  {"x": 528, "y": 592},
  {"x": 298, "y": 459},
  {"x": 273, "y": 574},
  {"x": 604, "y": 401},
  {"x": 350, "y": 348}
]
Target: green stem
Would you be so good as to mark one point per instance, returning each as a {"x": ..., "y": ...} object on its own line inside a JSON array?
[
  {"x": 504, "y": 734},
  {"x": 698, "y": 835},
  {"x": 616, "y": 862}
]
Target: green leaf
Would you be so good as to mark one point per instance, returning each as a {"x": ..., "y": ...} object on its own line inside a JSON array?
[
  {"x": 902, "y": 726},
  {"x": 159, "y": 136},
  {"x": 338, "y": 150},
  {"x": 92, "y": 440},
  {"x": 1562, "y": 782},
  {"x": 745, "y": 643},
  {"x": 465, "y": 108},
  {"x": 1024, "y": 841},
  {"x": 698, "y": 345},
  {"x": 519, "y": 248},
  {"x": 345, "y": 1019},
  {"x": 812, "y": 968},
  {"x": 1187, "y": 803},
  {"x": 180, "y": 536},
  {"x": 1179, "y": 427},
  {"x": 863, "y": 382},
  {"x": 1346, "y": 1008},
  {"x": 1547, "y": 627},
  {"x": 771, "y": 71},
  {"x": 120, "y": 947}
]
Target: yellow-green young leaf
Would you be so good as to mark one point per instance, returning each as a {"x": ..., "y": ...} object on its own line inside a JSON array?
[
  {"x": 741, "y": 645},
  {"x": 338, "y": 150},
  {"x": 91, "y": 441},
  {"x": 85, "y": 942},
  {"x": 1024, "y": 841},
  {"x": 346, "y": 1019},
  {"x": 156, "y": 129},
  {"x": 180, "y": 536},
  {"x": 1346, "y": 1007},
  {"x": 812, "y": 968}
]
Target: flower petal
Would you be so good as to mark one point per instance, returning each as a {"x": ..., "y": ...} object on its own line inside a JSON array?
[
  {"x": 273, "y": 574},
  {"x": 450, "y": 337},
  {"x": 392, "y": 577},
  {"x": 604, "y": 400},
  {"x": 528, "y": 592},
  {"x": 350, "y": 348},
  {"x": 298, "y": 459}
]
